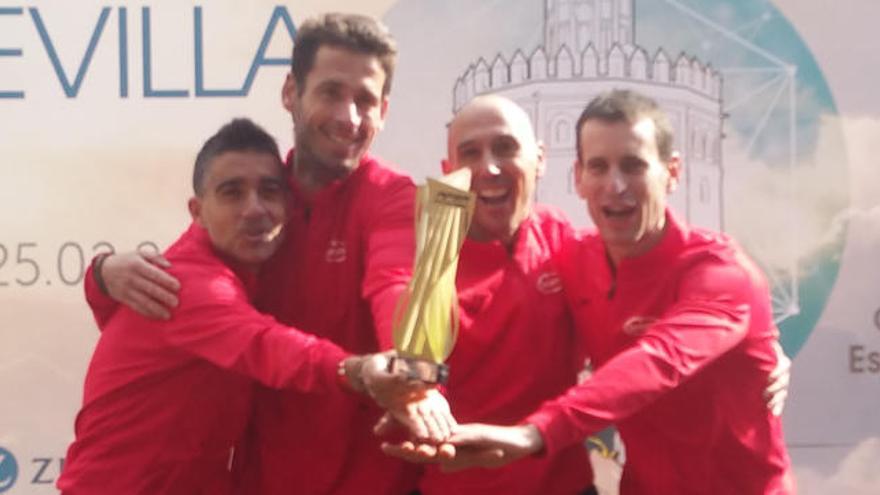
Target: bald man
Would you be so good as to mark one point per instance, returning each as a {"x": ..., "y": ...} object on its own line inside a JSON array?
[{"x": 515, "y": 346}]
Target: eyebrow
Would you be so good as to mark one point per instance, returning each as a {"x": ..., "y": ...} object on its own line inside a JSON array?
[
  {"x": 505, "y": 137},
  {"x": 234, "y": 181},
  {"x": 465, "y": 144}
]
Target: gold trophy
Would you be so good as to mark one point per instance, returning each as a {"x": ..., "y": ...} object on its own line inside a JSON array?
[{"x": 426, "y": 318}]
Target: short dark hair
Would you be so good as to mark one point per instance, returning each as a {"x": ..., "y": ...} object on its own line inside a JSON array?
[
  {"x": 238, "y": 135},
  {"x": 358, "y": 33},
  {"x": 623, "y": 105}
]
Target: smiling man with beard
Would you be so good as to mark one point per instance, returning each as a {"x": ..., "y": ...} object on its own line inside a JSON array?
[{"x": 166, "y": 400}]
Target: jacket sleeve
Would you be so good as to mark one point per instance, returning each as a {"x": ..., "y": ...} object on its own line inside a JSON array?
[
  {"x": 103, "y": 306},
  {"x": 390, "y": 245},
  {"x": 710, "y": 317},
  {"x": 216, "y": 322}
]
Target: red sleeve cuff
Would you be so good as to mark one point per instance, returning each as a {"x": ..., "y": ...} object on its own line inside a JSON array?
[
  {"x": 329, "y": 365},
  {"x": 556, "y": 431},
  {"x": 102, "y": 306}
]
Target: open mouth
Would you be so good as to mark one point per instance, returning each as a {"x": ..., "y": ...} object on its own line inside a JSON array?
[
  {"x": 495, "y": 196},
  {"x": 618, "y": 212},
  {"x": 262, "y": 233}
]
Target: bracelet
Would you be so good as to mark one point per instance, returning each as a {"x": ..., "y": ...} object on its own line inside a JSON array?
[{"x": 97, "y": 265}]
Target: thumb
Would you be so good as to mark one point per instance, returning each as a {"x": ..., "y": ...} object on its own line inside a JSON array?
[{"x": 468, "y": 434}]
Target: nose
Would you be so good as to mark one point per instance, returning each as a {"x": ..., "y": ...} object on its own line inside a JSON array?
[
  {"x": 253, "y": 205},
  {"x": 486, "y": 165},
  {"x": 348, "y": 116},
  {"x": 616, "y": 181}
]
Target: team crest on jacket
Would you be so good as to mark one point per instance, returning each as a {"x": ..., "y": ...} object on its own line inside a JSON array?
[
  {"x": 549, "y": 283},
  {"x": 637, "y": 325},
  {"x": 335, "y": 252}
]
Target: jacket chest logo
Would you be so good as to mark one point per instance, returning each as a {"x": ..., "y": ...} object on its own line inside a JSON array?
[
  {"x": 336, "y": 252},
  {"x": 549, "y": 283},
  {"x": 637, "y": 325}
]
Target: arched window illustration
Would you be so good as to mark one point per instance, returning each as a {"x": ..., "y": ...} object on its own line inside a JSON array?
[
  {"x": 705, "y": 191},
  {"x": 562, "y": 132}
]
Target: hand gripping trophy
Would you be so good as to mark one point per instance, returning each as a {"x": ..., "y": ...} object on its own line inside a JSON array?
[{"x": 426, "y": 319}]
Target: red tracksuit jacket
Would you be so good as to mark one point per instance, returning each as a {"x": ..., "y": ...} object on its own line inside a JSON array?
[
  {"x": 165, "y": 401},
  {"x": 681, "y": 338},
  {"x": 515, "y": 349},
  {"x": 347, "y": 257}
]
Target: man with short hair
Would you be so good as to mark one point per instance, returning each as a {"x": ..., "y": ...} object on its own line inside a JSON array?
[
  {"x": 515, "y": 347},
  {"x": 676, "y": 320},
  {"x": 165, "y": 401},
  {"x": 347, "y": 257}
]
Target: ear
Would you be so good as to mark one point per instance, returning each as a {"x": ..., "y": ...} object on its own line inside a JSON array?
[
  {"x": 541, "y": 166},
  {"x": 195, "y": 210},
  {"x": 673, "y": 166},
  {"x": 383, "y": 111},
  {"x": 288, "y": 93},
  {"x": 445, "y": 166}
]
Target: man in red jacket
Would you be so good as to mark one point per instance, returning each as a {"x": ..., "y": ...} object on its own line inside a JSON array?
[
  {"x": 515, "y": 347},
  {"x": 166, "y": 400},
  {"x": 346, "y": 258},
  {"x": 676, "y": 319}
]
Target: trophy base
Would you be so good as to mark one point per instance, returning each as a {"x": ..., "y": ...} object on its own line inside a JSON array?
[{"x": 419, "y": 369}]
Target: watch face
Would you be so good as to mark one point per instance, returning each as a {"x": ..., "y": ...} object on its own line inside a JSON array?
[{"x": 419, "y": 369}]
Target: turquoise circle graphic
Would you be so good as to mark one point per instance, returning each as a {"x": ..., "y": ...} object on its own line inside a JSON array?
[
  {"x": 775, "y": 105},
  {"x": 8, "y": 470}
]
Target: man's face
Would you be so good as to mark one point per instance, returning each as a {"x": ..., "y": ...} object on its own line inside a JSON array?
[
  {"x": 625, "y": 183},
  {"x": 242, "y": 205},
  {"x": 494, "y": 138},
  {"x": 339, "y": 111}
]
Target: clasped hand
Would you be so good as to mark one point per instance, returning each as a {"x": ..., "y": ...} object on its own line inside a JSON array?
[
  {"x": 434, "y": 435},
  {"x": 469, "y": 445}
]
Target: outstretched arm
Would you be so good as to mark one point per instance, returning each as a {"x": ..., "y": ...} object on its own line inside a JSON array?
[{"x": 710, "y": 317}]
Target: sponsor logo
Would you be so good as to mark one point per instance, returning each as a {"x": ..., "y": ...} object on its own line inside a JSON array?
[
  {"x": 335, "y": 252},
  {"x": 8, "y": 470},
  {"x": 549, "y": 283},
  {"x": 637, "y": 325}
]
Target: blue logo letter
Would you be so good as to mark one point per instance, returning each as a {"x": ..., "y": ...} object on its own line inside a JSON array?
[
  {"x": 279, "y": 14},
  {"x": 10, "y": 52},
  {"x": 71, "y": 90}
]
